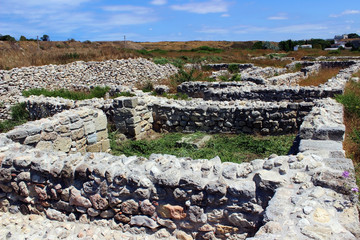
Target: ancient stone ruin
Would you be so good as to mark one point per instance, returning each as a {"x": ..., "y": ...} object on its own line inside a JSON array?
[{"x": 58, "y": 165}]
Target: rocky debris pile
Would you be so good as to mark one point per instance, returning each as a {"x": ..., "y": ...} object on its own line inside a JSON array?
[
  {"x": 80, "y": 130},
  {"x": 124, "y": 72}
]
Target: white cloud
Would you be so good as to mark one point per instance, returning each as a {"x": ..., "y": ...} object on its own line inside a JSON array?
[
  {"x": 280, "y": 16},
  {"x": 347, "y": 12},
  {"x": 158, "y": 2},
  {"x": 213, "y": 6},
  {"x": 225, "y": 15},
  {"x": 127, "y": 8}
]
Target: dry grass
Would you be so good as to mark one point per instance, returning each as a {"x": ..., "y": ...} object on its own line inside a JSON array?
[
  {"x": 21, "y": 54},
  {"x": 320, "y": 78}
]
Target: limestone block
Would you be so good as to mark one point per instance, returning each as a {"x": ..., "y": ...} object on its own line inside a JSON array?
[
  {"x": 89, "y": 128},
  {"x": 92, "y": 139},
  {"x": 105, "y": 145},
  {"x": 77, "y": 134},
  {"x": 94, "y": 147},
  {"x": 45, "y": 145},
  {"x": 32, "y": 139},
  {"x": 102, "y": 135},
  {"x": 62, "y": 144},
  {"x": 100, "y": 121}
]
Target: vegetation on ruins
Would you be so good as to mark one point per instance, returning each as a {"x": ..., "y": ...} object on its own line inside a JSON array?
[
  {"x": 230, "y": 148},
  {"x": 321, "y": 77},
  {"x": 19, "y": 115},
  {"x": 351, "y": 101},
  {"x": 96, "y": 92}
]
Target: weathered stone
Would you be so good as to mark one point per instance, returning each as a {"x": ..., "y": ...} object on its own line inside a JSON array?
[
  {"x": 77, "y": 200},
  {"x": 143, "y": 221},
  {"x": 196, "y": 215},
  {"x": 268, "y": 180},
  {"x": 107, "y": 213},
  {"x": 98, "y": 202},
  {"x": 147, "y": 208},
  {"x": 122, "y": 218},
  {"x": 55, "y": 215},
  {"x": 174, "y": 212},
  {"x": 181, "y": 235},
  {"x": 166, "y": 223},
  {"x": 130, "y": 207}
]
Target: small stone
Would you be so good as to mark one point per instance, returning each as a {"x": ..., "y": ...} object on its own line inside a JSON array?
[
  {"x": 162, "y": 233},
  {"x": 147, "y": 208},
  {"x": 166, "y": 223},
  {"x": 143, "y": 221},
  {"x": 321, "y": 215},
  {"x": 307, "y": 210},
  {"x": 107, "y": 214},
  {"x": 181, "y": 235},
  {"x": 98, "y": 202},
  {"x": 130, "y": 207},
  {"x": 122, "y": 218},
  {"x": 170, "y": 211},
  {"x": 55, "y": 215},
  {"x": 206, "y": 228}
]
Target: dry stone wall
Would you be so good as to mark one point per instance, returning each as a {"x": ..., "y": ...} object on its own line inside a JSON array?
[
  {"x": 250, "y": 117},
  {"x": 72, "y": 131},
  {"x": 303, "y": 196},
  {"x": 78, "y": 75}
]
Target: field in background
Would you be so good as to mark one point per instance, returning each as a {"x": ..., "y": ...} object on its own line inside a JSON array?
[{"x": 29, "y": 53}]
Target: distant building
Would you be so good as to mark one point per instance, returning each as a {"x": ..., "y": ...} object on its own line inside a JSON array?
[
  {"x": 338, "y": 38},
  {"x": 306, "y": 46}
]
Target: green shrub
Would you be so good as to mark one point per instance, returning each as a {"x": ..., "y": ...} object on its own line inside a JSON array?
[
  {"x": 223, "y": 78},
  {"x": 161, "y": 61},
  {"x": 148, "y": 86},
  {"x": 235, "y": 78},
  {"x": 71, "y": 56},
  {"x": 19, "y": 115},
  {"x": 186, "y": 76},
  {"x": 351, "y": 100},
  {"x": 233, "y": 68}
]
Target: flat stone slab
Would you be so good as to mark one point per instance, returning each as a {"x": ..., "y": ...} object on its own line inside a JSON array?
[{"x": 197, "y": 142}]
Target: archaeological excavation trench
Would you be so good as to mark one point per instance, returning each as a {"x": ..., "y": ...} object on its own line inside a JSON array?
[{"x": 58, "y": 164}]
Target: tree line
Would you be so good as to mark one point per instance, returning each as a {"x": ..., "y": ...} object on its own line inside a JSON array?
[{"x": 23, "y": 38}]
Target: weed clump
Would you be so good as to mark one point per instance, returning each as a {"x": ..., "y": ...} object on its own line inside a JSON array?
[
  {"x": 19, "y": 116},
  {"x": 96, "y": 92}
]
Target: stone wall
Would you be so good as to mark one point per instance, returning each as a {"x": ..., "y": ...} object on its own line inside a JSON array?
[
  {"x": 303, "y": 196},
  {"x": 250, "y": 117},
  {"x": 80, "y": 130},
  {"x": 78, "y": 75}
]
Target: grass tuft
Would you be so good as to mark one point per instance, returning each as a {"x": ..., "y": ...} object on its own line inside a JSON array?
[
  {"x": 230, "y": 148},
  {"x": 97, "y": 92}
]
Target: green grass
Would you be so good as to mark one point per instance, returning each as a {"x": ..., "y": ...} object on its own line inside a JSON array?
[
  {"x": 230, "y": 148},
  {"x": 19, "y": 116},
  {"x": 97, "y": 92},
  {"x": 351, "y": 99}
]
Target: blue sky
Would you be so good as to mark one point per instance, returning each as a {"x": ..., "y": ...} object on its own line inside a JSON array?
[{"x": 175, "y": 20}]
